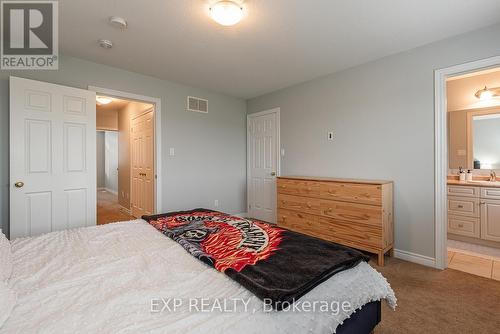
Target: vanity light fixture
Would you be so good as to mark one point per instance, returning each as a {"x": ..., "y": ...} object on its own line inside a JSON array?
[
  {"x": 102, "y": 100},
  {"x": 487, "y": 93},
  {"x": 226, "y": 13}
]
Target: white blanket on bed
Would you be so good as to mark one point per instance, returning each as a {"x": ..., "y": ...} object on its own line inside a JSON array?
[{"x": 103, "y": 280}]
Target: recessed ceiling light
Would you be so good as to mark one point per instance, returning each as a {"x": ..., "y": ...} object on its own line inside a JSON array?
[
  {"x": 102, "y": 100},
  {"x": 118, "y": 22},
  {"x": 227, "y": 13},
  {"x": 105, "y": 43}
]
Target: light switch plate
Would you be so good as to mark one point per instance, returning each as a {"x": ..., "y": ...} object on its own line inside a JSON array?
[{"x": 172, "y": 152}]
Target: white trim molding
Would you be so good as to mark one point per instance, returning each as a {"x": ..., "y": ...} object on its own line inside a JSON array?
[
  {"x": 415, "y": 258},
  {"x": 158, "y": 133},
  {"x": 441, "y": 148},
  {"x": 126, "y": 210},
  {"x": 114, "y": 192}
]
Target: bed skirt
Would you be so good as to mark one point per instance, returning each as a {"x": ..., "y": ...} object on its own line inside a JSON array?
[{"x": 363, "y": 321}]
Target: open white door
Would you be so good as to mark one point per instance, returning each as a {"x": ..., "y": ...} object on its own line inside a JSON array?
[
  {"x": 263, "y": 164},
  {"x": 52, "y": 157},
  {"x": 142, "y": 162}
]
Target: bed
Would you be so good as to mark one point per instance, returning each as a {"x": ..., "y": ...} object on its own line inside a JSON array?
[{"x": 119, "y": 278}]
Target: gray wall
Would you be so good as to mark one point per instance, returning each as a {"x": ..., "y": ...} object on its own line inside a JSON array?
[
  {"x": 210, "y": 160},
  {"x": 111, "y": 160},
  {"x": 100, "y": 157},
  {"x": 382, "y": 114}
]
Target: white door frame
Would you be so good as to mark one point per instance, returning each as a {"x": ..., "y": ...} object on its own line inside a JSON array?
[
  {"x": 278, "y": 146},
  {"x": 441, "y": 148},
  {"x": 158, "y": 135}
]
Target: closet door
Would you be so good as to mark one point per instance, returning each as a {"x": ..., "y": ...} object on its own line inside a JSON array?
[
  {"x": 142, "y": 163},
  {"x": 52, "y": 157}
]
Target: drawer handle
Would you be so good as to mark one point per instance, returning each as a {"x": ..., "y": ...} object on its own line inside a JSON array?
[
  {"x": 460, "y": 225},
  {"x": 460, "y": 206},
  {"x": 309, "y": 205}
]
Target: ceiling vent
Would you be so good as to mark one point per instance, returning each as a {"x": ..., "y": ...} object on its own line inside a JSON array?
[{"x": 197, "y": 105}]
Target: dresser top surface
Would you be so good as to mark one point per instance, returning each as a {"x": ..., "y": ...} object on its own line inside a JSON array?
[{"x": 332, "y": 179}]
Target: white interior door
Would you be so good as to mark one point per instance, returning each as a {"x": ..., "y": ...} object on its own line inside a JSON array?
[
  {"x": 263, "y": 164},
  {"x": 142, "y": 197},
  {"x": 52, "y": 157}
]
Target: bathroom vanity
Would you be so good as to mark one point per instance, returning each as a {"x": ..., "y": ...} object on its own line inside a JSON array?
[{"x": 474, "y": 211}]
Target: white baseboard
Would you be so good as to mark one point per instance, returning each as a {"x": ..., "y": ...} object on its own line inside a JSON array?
[
  {"x": 114, "y": 192},
  {"x": 415, "y": 258},
  {"x": 126, "y": 210},
  {"x": 241, "y": 215},
  {"x": 108, "y": 190}
]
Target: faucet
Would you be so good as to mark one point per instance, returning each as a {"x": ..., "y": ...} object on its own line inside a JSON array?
[{"x": 493, "y": 176}]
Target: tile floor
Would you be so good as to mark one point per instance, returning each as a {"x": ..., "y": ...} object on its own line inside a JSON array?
[
  {"x": 475, "y": 265},
  {"x": 473, "y": 249},
  {"x": 108, "y": 209}
]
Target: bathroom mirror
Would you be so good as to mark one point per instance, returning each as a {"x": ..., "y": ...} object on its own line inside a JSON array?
[
  {"x": 486, "y": 141},
  {"x": 474, "y": 139}
]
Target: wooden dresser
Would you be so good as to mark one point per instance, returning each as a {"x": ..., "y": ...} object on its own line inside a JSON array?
[{"x": 355, "y": 213}]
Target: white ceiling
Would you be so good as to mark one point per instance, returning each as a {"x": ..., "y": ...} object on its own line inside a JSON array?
[{"x": 277, "y": 44}]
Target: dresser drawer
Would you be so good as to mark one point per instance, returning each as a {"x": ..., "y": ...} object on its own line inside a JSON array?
[
  {"x": 298, "y": 187},
  {"x": 339, "y": 191},
  {"x": 466, "y": 191},
  {"x": 358, "y": 193},
  {"x": 490, "y": 193},
  {"x": 341, "y": 211},
  {"x": 331, "y": 229},
  {"x": 462, "y": 206},
  {"x": 466, "y": 226}
]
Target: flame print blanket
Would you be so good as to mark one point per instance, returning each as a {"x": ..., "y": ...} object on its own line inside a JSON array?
[{"x": 275, "y": 264}]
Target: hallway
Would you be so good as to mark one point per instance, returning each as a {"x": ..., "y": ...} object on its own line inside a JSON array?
[{"x": 108, "y": 209}]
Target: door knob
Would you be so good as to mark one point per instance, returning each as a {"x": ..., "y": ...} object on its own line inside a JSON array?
[
  {"x": 273, "y": 173},
  {"x": 19, "y": 184}
]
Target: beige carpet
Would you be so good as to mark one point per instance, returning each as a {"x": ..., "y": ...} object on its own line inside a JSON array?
[{"x": 433, "y": 301}]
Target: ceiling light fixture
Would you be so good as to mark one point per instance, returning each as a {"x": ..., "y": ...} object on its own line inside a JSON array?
[
  {"x": 102, "y": 100},
  {"x": 118, "y": 22},
  {"x": 226, "y": 13},
  {"x": 105, "y": 43}
]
